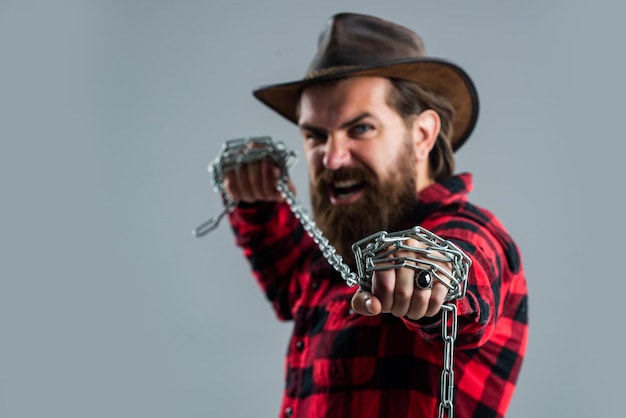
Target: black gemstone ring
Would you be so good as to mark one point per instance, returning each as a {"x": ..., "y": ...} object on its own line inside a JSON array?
[{"x": 423, "y": 279}]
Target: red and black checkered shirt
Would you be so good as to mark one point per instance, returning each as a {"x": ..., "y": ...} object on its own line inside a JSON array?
[{"x": 342, "y": 364}]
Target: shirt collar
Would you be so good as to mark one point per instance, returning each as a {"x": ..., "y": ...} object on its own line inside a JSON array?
[
  {"x": 454, "y": 188},
  {"x": 437, "y": 195}
]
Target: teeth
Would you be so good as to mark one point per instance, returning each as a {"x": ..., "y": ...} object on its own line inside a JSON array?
[
  {"x": 345, "y": 188},
  {"x": 343, "y": 195},
  {"x": 345, "y": 183}
]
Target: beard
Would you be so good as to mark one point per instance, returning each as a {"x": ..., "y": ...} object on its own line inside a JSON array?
[{"x": 384, "y": 205}]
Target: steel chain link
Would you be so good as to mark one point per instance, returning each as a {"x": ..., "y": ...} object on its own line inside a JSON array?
[
  {"x": 328, "y": 251},
  {"x": 373, "y": 253},
  {"x": 448, "y": 333}
]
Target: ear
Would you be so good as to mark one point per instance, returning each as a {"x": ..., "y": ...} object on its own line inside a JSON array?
[{"x": 426, "y": 128}]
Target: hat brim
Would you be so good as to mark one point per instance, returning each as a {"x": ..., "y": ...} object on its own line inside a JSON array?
[{"x": 442, "y": 77}]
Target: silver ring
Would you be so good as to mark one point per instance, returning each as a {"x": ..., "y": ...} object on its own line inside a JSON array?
[{"x": 423, "y": 279}]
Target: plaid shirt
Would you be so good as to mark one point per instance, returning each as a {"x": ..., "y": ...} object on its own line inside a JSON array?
[{"x": 342, "y": 364}]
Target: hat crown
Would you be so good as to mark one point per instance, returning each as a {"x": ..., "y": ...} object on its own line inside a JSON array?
[
  {"x": 354, "y": 40},
  {"x": 356, "y": 45}
]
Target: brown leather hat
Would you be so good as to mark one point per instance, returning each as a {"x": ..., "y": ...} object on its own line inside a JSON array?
[{"x": 358, "y": 45}]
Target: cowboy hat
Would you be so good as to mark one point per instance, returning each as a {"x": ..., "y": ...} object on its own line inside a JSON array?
[{"x": 353, "y": 45}]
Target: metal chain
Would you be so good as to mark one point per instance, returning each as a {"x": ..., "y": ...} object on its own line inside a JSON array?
[
  {"x": 379, "y": 252},
  {"x": 374, "y": 253},
  {"x": 237, "y": 152},
  {"x": 448, "y": 333},
  {"x": 328, "y": 251}
]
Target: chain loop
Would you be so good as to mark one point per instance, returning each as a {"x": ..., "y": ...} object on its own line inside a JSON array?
[
  {"x": 328, "y": 251},
  {"x": 378, "y": 252},
  {"x": 373, "y": 253},
  {"x": 240, "y": 151},
  {"x": 448, "y": 333}
]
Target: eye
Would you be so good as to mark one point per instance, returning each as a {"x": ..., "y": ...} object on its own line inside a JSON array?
[
  {"x": 314, "y": 136},
  {"x": 361, "y": 129}
]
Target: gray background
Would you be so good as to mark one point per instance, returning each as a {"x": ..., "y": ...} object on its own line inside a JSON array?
[{"x": 110, "y": 112}]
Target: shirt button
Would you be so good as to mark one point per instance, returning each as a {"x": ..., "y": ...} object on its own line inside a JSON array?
[
  {"x": 315, "y": 285},
  {"x": 350, "y": 311},
  {"x": 300, "y": 345},
  {"x": 288, "y": 411}
]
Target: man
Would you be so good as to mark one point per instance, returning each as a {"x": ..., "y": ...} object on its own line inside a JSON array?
[{"x": 380, "y": 122}]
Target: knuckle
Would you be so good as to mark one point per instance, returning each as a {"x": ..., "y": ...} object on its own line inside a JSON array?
[
  {"x": 421, "y": 298},
  {"x": 404, "y": 293},
  {"x": 412, "y": 242},
  {"x": 433, "y": 308},
  {"x": 415, "y": 313},
  {"x": 382, "y": 283},
  {"x": 399, "y": 311}
]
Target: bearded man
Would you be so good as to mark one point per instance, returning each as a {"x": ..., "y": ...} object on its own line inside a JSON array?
[{"x": 380, "y": 122}]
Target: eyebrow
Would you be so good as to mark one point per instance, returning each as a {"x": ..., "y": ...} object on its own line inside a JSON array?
[{"x": 356, "y": 119}]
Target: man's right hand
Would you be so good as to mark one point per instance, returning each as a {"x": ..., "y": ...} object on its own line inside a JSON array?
[{"x": 255, "y": 182}]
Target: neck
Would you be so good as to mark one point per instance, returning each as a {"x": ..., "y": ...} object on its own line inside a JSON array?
[{"x": 423, "y": 179}]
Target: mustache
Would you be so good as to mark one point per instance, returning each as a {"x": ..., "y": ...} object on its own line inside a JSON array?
[{"x": 362, "y": 175}]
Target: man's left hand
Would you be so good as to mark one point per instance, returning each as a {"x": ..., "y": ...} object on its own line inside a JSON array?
[{"x": 394, "y": 291}]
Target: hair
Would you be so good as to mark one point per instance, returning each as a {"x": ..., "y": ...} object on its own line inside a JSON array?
[{"x": 409, "y": 100}]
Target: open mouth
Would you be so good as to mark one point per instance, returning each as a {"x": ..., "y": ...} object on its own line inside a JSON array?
[{"x": 345, "y": 191}]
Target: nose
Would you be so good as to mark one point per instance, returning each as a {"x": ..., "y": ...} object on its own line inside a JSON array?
[{"x": 336, "y": 153}]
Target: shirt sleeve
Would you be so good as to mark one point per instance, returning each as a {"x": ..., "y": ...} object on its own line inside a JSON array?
[
  {"x": 277, "y": 248},
  {"x": 493, "y": 256}
]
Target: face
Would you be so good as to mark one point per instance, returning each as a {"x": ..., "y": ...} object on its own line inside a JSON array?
[{"x": 361, "y": 159}]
